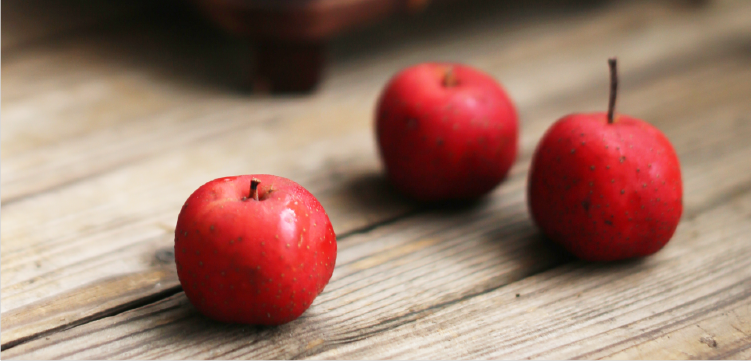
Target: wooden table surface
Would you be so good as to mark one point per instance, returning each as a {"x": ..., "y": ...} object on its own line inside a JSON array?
[{"x": 107, "y": 128}]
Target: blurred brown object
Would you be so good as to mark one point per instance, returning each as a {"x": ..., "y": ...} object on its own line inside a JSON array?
[{"x": 291, "y": 34}]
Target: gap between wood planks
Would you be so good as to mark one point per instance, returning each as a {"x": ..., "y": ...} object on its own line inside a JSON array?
[
  {"x": 583, "y": 310},
  {"x": 665, "y": 65},
  {"x": 117, "y": 309},
  {"x": 528, "y": 153},
  {"x": 186, "y": 319},
  {"x": 148, "y": 298},
  {"x": 48, "y": 177},
  {"x": 387, "y": 222},
  {"x": 391, "y": 324},
  {"x": 23, "y": 183}
]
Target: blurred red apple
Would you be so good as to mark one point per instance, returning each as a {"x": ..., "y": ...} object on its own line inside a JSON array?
[{"x": 446, "y": 132}]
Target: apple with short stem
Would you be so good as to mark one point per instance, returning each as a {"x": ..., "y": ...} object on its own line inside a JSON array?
[
  {"x": 445, "y": 132},
  {"x": 253, "y": 249}
]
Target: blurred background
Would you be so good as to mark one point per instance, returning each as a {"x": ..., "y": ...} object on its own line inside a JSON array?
[
  {"x": 276, "y": 45},
  {"x": 92, "y": 87}
]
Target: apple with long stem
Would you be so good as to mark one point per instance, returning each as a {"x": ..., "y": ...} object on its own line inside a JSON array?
[
  {"x": 253, "y": 249},
  {"x": 606, "y": 186},
  {"x": 445, "y": 132}
]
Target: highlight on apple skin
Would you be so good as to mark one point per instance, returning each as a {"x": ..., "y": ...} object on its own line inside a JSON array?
[{"x": 253, "y": 249}]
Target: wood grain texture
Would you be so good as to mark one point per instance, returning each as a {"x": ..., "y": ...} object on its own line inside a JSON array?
[
  {"x": 152, "y": 150},
  {"x": 723, "y": 333},
  {"x": 100, "y": 151},
  {"x": 409, "y": 309},
  {"x": 105, "y": 297},
  {"x": 392, "y": 278},
  {"x": 133, "y": 100},
  {"x": 591, "y": 311},
  {"x": 136, "y": 223}
]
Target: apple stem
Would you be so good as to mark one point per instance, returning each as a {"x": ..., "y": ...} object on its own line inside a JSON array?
[
  {"x": 613, "y": 88},
  {"x": 254, "y": 188},
  {"x": 449, "y": 79}
]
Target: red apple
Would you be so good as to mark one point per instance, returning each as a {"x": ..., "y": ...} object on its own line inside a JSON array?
[
  {"x": 446, "y": 132},
  {"x": 606, "y": 186},
  {"x": 254, "y": 249}
]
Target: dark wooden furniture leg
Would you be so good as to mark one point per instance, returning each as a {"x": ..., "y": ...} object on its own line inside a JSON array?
[{"x": 288, "y": 66}]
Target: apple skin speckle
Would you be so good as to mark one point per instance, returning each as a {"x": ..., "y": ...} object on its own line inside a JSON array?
[
  {"x": 626, "y": 219},
  {"x": 441, "y": 141},
  {"x": 249, "y": 268}
]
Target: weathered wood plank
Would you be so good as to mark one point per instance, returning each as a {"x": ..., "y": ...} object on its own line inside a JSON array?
[
  {"x": 355, "y": 318},
  {"x": 105, "y": 195},
  {"x": 404, "y": 272},
  {"x": 121, "y": 218},
  {"x": 106, "y": 297},
  {"x": 143, "y": 255},
  {"x": 139, "y": 257},
  {"x": 591, "y": 311},
  {"x": 722, "y": 333},
  {"x": 111, "y": 203},
  {"x": 114, "y": 104}
]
